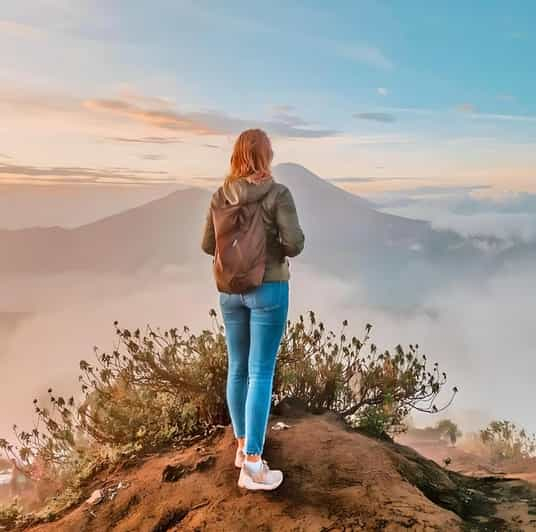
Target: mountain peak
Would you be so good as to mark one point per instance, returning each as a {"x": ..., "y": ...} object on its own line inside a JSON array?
[
  {"x": 294, "y": 170},
  {"x": 307, "y": 184}
]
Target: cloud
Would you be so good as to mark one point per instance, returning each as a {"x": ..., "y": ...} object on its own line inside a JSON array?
[
  {"x": 4, "y": 156},
  {"x": 204, "y": 123},
  {"x": 509, "y": 228},
  {"x": 152, "y": 156},
  {"x": 191, "y": 123},
  {"x": 382, "y": 91},
  {"x": 511, "y": 217},
  {"x": 19, "y": 30},
  {"x": 147, "y": 140},
  {"x": 468, "y": 108},
  {"x": 376, "y": 117},
  {"x": 507, "y": 117},
  {"x": 521, "y": 202},
  {"x": 132, "y": 95},
  {"x": 452, "y": 327},
  {"x": 29, "y": 101},
  {"x": 366, "y": 54},
  {"x": 366, "y": 179},
  {"x": 286, "y": 115},
  {"x": 208, "y": 179},
  {"x": 289, "y": 119},
  {"x": 291, "y": 131},
  {"x": 505, "y": 97},
  {"x": 80, "y": 175},
  {"x": 517, "y": 35},
  {"x": 283, "y": 108},
  {"x": 382, "y": 139},
  {"x": 473, "y": 139},
  {"x": 158, "y": 140},
  {"x": 352, "y": 180},
  {"x": 444, "y": 189},
  {"x": 157, "y": 112}
]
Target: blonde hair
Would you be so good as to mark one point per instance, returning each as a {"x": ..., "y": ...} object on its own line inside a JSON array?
[{"x": 251, "y": 158}]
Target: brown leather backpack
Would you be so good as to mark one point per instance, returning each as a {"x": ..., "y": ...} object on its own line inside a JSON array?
[{"x": 240, "y": 256}]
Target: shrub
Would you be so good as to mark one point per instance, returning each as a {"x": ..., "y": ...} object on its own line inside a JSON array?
[
  {"x": 328, "y": 371},
  {"x": 375, "y": 420},
  {"x": 505, "y": 440},
  {"x": 10, "y": 514},
  {"x": 159, "y": 388},
  {"x": 155, "y": 387},
  {"x": 152, "y": 389},
  {"x": 448, "y": 428}
]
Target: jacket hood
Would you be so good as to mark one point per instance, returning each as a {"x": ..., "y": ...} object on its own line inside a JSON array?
[{"x": 243, "y": 191}]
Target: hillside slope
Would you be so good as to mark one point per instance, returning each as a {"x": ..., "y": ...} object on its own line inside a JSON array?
[
  {"x": 342, "y": 232},
  {"x": 335, "y": 480},
  {"x": 163, "y": 231}
]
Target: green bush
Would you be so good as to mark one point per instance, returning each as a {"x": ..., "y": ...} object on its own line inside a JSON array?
[
  {"x": 329, "y": 371},
  {"x": 152, "y": 389},
  {"x": 11, "y": 514},
  {"x": 156, "y": 389},
  {"x": 448, "y": 428},
  {"x": 443, "y": 429},
  {"x": 506, "y": 441},
  {"x": 376, "y": 420}
]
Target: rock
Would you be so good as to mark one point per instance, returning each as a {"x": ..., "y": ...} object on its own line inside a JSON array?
[
  {"x": 172, "y": 473},
  {"x": 96, "y": 497},
  {"x": 205, "y": 463}
]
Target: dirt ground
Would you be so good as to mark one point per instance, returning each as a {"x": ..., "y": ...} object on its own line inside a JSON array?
[{"x": 335, "y": 480}]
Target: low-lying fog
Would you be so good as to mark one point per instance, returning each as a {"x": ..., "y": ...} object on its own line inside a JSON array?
[{"x": 480, "y": 334}]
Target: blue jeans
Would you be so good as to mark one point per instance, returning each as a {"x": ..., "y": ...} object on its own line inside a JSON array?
[{"x": 254, "y": 325}]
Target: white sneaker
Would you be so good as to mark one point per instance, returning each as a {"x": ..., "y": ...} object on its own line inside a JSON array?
[
  {"x": 265, "y": 479},
  {"x": 240, "y": 457}
]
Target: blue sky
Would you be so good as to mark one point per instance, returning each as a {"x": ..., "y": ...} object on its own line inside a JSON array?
[{"x": 437, "y": 91}]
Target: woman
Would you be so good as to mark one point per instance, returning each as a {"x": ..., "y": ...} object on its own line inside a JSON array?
[{"x": 255, "y": 320}]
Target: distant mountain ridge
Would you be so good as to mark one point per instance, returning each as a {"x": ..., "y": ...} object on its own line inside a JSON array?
[
  {"x": 345, "y": 237},
  {"x": 23, "y": 206},
  {"x": 120, "y": 243},
  {"x": 167, "y": 230}
]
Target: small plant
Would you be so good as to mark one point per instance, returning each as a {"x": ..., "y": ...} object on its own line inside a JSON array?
[
  {"x": 448, "y": 428},
  {"x": 329, "y": 371},
  {"x": 506, "y": 441},
  {"x": 160, "y": 388},
  {"x": 153, "y": 389},
  {"x": 156, "y": 386},
  {"x": 375, "y": 421},
  {"x": 10, "y": 514}
]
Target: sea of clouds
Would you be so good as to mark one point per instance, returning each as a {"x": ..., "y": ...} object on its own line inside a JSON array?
[
  {"x": 510, "y": 216},
  {"x": 481, "y": 334}
]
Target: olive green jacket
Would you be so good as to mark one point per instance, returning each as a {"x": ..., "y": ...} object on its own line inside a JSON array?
[{"x": 284, "y": 236}]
